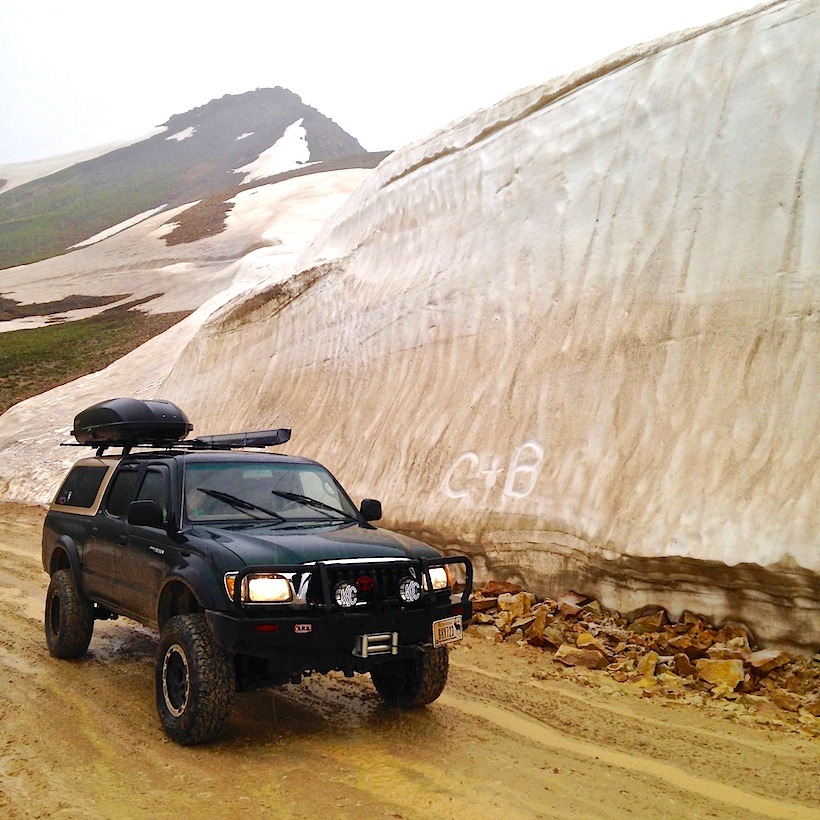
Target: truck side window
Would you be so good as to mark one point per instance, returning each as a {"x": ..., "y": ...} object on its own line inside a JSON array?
[
  {"x": 154, "y": 488},
  {"x": 121, "y": 494},
  {"x": 81, "y": 486}
]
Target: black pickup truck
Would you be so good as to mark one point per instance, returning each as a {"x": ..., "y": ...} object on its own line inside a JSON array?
[{"x": 255, "y": 568}]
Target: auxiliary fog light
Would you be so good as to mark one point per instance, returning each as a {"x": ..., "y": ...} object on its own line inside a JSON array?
[
  {"x": 409, "y": 590},
  {"x": 346, "y": 594}
]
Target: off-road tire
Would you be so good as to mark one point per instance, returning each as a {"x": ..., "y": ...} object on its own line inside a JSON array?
[
  {"x": 194, "y": 681},
  {"x": 69, "y": 618},
  {"x": 410, "y": 683}
]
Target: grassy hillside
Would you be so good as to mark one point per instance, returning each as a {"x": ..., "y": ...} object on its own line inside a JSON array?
[{"x": 33, "y": 361}]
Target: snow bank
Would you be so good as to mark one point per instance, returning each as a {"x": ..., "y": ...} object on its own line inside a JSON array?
[{"x": 575, "y": 334}]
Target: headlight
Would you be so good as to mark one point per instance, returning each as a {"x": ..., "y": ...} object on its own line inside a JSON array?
[
  {"x": 274, "y": 589},
  {"x": 440, "y": 577},
  {"x": 261, "y": 589}
]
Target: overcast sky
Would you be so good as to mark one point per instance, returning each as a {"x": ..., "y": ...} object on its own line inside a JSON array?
[{"x": 83, "y": 73}]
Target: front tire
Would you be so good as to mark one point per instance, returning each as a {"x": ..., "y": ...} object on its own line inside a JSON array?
[
  {"x": 194, "y": 681},
  {"x": 410, "y": 683},
  {"x": 69, "y": 618}
]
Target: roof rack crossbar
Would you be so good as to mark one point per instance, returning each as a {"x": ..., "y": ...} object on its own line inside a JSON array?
[{"x": 223, "y": 441}]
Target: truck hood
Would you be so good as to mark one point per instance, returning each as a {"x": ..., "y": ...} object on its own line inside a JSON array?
[{"x": 257, "y": 545}]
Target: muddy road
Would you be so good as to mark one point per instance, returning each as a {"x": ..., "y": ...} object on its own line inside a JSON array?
[{"x": 515, "y": 735}]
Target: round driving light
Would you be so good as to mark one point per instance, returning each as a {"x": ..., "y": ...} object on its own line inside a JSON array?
[
  {"x": 346, "y": 594},
  {"x": 409, "y": 590}
]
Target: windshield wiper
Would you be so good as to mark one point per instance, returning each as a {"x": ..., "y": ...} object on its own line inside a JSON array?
[
  {"x": 239, "y": 503},
  {"x": 315, "y": 503}
]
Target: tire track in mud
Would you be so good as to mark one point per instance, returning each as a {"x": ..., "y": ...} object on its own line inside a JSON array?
[
  {"x": 700, "y": 741},
  {"x": 546, "y": 736},
  {"x": 555, "y": 689}
]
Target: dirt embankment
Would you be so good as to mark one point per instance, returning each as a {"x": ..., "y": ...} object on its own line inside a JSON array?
[{"x": 515, "y": 734}]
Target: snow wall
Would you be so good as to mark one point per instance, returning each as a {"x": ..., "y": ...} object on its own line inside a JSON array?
[{"x": 575, "y": 335}]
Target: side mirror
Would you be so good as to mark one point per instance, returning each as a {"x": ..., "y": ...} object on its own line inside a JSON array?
[
  {"x": 371, "y": 509},
  {"x": 146, "y": 514}
]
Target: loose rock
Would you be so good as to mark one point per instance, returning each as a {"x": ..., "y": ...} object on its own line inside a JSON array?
[
  {"x": 517, "y": 605},
  {"x": 650, "y": 623},
  {"x": 683, "y": 666},
  {"x": 765, "y": 660},
  {"x": 728, "y": 673},
  {"x": 573, "y": 656}
]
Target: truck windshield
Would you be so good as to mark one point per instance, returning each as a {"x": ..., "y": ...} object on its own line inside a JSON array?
[{"x": 245, "y": 490}]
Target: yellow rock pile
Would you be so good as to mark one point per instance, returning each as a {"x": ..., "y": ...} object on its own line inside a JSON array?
[{"x": 690, "y": 659}]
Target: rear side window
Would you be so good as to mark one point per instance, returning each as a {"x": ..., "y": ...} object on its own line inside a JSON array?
[
  {"x": 122, "y": 492},
  {"x": 81, "y": 487}
]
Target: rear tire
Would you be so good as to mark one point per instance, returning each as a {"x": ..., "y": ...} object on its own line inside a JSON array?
[
  {"x": 69, "y": 618},
  {"x": 410, "y": 683},
  {"x": 194, "y": 681}
]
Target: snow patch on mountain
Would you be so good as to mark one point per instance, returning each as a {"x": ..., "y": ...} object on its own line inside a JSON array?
[
  {"x": 289, "y": 152},
  {"x": 185, "y": 134},
  {"x": 115, "y": 229}
]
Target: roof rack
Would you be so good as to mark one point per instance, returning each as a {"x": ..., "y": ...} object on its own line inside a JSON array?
[{"x": 256, "y": 439}]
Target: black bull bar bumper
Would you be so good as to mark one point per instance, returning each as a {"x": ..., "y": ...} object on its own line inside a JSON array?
[{"x": 319, "y": 634}]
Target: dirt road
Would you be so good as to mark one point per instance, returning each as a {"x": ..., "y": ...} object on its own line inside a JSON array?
[{"x": 515, "y": 735}]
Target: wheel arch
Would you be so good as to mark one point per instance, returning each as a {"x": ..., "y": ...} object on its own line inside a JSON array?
[
  {"x": 65, "y": 555},
  {"x": 176, "y": 597}
]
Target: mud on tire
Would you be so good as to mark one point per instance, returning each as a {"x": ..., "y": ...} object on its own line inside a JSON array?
[
  {"x": 69, "y": 618},
  {"x": 194, "y": 681},
  {"x": 412, "y": 682}
]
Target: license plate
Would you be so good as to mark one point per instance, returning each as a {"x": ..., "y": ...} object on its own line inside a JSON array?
[{"x": 447, "y": 630}]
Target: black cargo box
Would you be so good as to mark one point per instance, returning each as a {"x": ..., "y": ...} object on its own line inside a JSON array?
[{"x": 123, "y": 422}]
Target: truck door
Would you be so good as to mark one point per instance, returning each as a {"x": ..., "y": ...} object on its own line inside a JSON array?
[
  {"x": 107, "y": 536},
  {"x": 150, "y": 551}
]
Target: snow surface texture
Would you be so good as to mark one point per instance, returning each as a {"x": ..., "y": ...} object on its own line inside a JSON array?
[
  {"x": 575, "y": 334},
  {"x": 137, "y": 260}
]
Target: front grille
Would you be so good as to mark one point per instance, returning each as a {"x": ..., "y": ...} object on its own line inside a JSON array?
[{"x": 376, "y": 584}]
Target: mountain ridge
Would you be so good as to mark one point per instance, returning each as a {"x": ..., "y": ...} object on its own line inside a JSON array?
[{"x": 194, "y": 158}]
